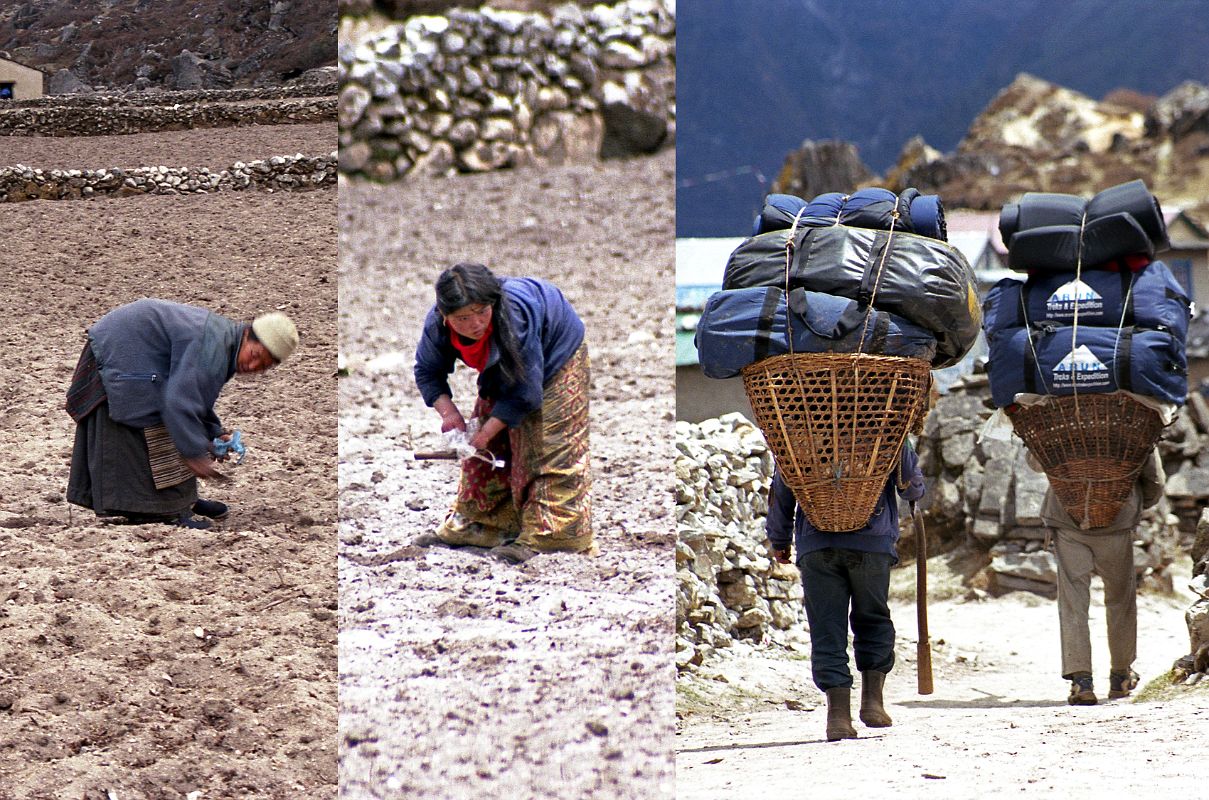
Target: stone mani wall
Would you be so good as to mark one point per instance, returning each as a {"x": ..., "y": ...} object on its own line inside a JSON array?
[
  {"x": 113, "y": 118},
  {"x": 486, "y": 89},
  {"x": 297, "y": 172}
]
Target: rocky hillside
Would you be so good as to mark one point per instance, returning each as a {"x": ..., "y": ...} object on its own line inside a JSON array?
[
  {"x": 149, "y": 44},
  {"x": 1037, "y": 136}
]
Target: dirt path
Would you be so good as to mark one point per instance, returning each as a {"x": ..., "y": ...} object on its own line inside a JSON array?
[
  {"x": 151, "y": 661},
  {"x": 997, "y": 724},
  {"x": 462, "y": 677}
]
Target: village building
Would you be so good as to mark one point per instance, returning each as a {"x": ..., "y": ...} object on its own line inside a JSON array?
[{"x": 19, "y": 82}]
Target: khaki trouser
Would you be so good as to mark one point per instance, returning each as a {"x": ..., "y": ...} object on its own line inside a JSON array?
[{"x": 1110, "y": 555}]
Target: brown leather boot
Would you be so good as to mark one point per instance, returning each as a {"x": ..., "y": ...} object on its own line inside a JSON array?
[
  {"x": 839, "y": 714},
  {"x": 873, "y": 713}
]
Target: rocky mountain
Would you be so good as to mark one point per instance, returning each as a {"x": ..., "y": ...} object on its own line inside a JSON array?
[
  {"x": 1038, "y": 136},
  {"x": 152, "y": 44},
  {"x": 754, "y": 80}
]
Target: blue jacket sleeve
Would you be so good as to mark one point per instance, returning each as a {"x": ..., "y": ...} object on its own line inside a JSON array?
[
  {"x": 910, "y": 474},
  {"x": 782, "y": 509},
  {"x": 186, "y": 415},
  {"x": 518, "y": 400},
  {"x": 435, "y": 359}
]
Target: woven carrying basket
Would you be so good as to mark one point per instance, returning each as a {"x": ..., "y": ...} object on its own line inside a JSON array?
[
  {"x": 1092, "y": 448},
  {"x": 835, "y": 423}
]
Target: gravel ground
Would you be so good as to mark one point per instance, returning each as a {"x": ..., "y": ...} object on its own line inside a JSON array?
[{"x": 462, "y": 677}]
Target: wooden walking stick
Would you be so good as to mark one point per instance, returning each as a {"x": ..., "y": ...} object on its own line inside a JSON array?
[{"x": 923, "y": 650}]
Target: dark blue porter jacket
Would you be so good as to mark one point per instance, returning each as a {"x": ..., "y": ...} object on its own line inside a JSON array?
[
  {"x": 547, "y": 330},
  {"x": 166, "y": 362},
  {"x": 879, "y": 534}
]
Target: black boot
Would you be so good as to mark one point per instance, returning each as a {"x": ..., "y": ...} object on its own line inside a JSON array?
[
  {"x": 839, "y": 714},
  {"x": 873, "y": 712}
]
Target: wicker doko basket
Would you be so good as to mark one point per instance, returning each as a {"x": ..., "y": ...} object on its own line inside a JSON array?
[
  {"x": 1091, "y": 447},
  {"x": 835, "y": 423}
]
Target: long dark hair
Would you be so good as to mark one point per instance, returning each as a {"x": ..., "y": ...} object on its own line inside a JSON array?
[{"x": 469, "y": 284}]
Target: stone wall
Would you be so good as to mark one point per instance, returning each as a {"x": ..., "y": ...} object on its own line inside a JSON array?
[
  {"x": 979, "y": 494},
  {"x": 985, "y": 492},
  {"x": 87, "y": 100},
  {"x": 1194, "y": 667},
  {"x": 297, "y": 172},
  {"x": 728, "y": 587},
  {"x": 487, "y": 89},
  {"x": 99, "y": 118}
]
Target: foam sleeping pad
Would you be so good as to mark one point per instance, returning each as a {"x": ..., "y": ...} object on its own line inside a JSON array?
[
  {"x": 742, "y": 326},
  {"x": 1056, "y": 248},
  {"x": 923, "y": 280}
]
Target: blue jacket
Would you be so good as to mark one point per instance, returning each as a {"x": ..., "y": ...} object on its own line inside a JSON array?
[
  {"x": 547, "y": 330},
  {"x": 166, "y": 362},
  {"x": 879, "y": 534}
]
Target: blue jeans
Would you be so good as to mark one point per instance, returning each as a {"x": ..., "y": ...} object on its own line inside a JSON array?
[{"x": 836, "y": 581}]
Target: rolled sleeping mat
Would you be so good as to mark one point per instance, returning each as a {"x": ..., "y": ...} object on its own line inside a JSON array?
[
  {"x": 1135, "y": 199},
  {"x": 927, "y": 215},
  {"x": 871, "y": 208},
  {"x": 1040, "y": 210},
  {"x": 1150, "y": 298},
  {"x": 1148, "y": 362},
  {"x": 923, "y": 280},
  {"x": 742, "y": 326},
  {"x": 1056, "y": 248},
  {"x": 778, "y": 213}
]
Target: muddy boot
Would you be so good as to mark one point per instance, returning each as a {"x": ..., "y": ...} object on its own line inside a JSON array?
[
  {"x": 1081, "y": 692},
  {"x": 839, "y": 714},
  {"x": 873, "y": 713}
]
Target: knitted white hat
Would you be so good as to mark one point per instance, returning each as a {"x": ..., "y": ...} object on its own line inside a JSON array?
[{"x": 277, "y": 333}]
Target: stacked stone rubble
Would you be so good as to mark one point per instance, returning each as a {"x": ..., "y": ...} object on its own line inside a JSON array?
[
  {"x": 987, "y": 492},
  {"x": 62, "y": 117},
  {"x": 483, "y": 89},
  {"x": 171, "y": 98},
  {"x": 296, "y": 172},
  {"x": 1194, "y": 667},
  {"x": 728, "y": 585}
]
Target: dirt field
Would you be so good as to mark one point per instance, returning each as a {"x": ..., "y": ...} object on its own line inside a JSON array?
[
  {"x": 151, "y": 661},
  {"x": 462, "y": 677},
  {"x": 208, "y": 147},
  {"x": 997, "y": 724}
]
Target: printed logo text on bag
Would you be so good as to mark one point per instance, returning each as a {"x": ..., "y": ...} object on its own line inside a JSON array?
[
  {"x": 1061, "y": 304},
  {"x": 1081, "y": 370}
]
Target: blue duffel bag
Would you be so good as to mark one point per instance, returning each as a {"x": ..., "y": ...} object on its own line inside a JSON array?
[
  {"x": 1148, "y": 298},
  {"x": 1147, "y": 362},
  {"x": 871, "y": 208},
  {"x": 742, "y": 326}
]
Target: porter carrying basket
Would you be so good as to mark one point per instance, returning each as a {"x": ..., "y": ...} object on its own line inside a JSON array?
[
  {"x": 1092, "y": 448},
  {"x": 836, "y": 423}
]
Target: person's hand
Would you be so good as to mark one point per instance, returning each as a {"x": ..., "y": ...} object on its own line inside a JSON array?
[
  {"x": 452, "y": 420},
  {"x": 226, "y": 437},
  {"x": 203, "y": 467},
  {"x": 781, "y": 554},
  {"x": 480, "y": 440}
]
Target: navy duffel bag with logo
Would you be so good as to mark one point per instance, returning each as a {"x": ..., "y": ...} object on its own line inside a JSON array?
[
  {"x": 1148, "y": 298},
  {"x": 742, "y": 326},
  {"x": 1148, "y": 362}
]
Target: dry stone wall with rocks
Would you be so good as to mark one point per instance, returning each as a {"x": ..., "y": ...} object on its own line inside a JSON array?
[
  {"x": 986, "y": 492},
  {"x": 486, "y": 89},
  {"x": 1194, "y": 667},
  {"x": 979, "y": 493},
  {"x": 729, "y": 587},
  {"x": 328, "y": 89},
  {"x": 100, "y": 119},
  {"x": 297, "y": 172}
]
